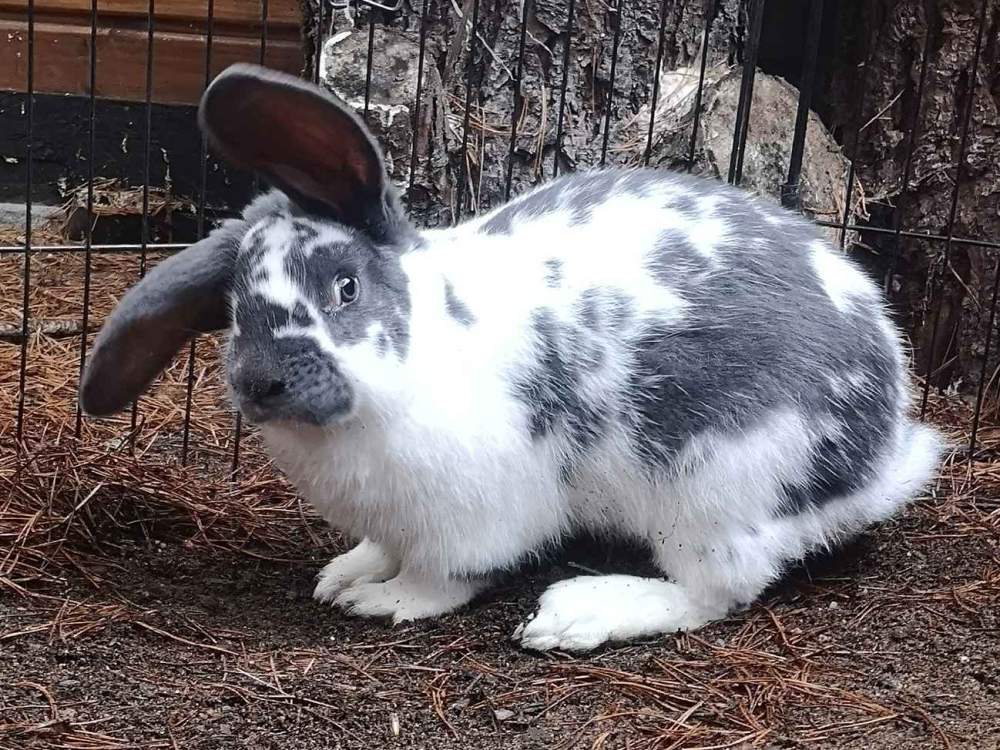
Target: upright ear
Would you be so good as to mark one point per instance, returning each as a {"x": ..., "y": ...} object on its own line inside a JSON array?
[
  {"x": 182, "y": 296},
  {"x": 303, "y": 140}
]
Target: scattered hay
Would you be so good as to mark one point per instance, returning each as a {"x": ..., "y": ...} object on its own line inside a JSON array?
[
  {"x": 111, "y": 197},
  {"x": 68, "y": 496},
  {"x": 49, "y": 232}
]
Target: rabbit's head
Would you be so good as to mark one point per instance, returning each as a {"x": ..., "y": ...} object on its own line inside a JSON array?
[{"x": 307, "y": 274}]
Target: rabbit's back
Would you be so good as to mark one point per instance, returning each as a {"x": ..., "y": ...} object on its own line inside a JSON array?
[{"x": 663, "y": 308}]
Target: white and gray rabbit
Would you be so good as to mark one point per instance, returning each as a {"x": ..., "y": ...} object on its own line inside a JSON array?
[{"x": 631, "y": 353}]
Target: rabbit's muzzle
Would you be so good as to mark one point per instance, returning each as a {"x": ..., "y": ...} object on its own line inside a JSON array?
[{"x": 289, "y": 380}]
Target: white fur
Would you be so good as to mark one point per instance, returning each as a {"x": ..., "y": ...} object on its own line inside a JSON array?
[
  {"x": 368, "y": 562},
  {"x": 841, "y": 280},
  {"x": 438, "y": 476},
  {"x": 582, "y": 613},
  {"x": 276, "y": 284},
  {"x": 407, "y": 597}
]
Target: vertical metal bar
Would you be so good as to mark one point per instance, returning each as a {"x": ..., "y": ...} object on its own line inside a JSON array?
[
  {"x": 656, "y": 84},
  {"x": 853, "y": 157},
  {"x": 319, "y": 42},
  {"x": 369, "y": 60},
  {"x": 89, "y": 234},
  {"x": 709, "y": 20},
  {"x": 469, "y": 67},
  {"x": 28, "y": 186},
  {"x": 515, "y": 114},
  {"x": 615, "y": 44},
  {"x": 746, "y": 93},
  {"x": 415, "y": 120},
  {"x": 563, "y": 86},
  {"x": 981, "y": 389},
  {"x": 262, "y": 56},
  {"x": 814, "y": 23},
  {"x": 202, "y": 201},
  {"x": 950, "y": 234},
  {"x": 911, "y": 145},
  {"x": 146, "y": 156},
  {"x": 147, "y": 147},
  {"x": 264, "y": 20}
]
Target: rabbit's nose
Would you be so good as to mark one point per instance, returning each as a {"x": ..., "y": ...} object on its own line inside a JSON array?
[{"x": 258, "y": 388}]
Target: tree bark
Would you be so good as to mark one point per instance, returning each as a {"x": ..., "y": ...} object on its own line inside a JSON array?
[
  {"x": 871, "y": 63},
  {"x": 929, "y": 282},
  {"x": 462, "y": 153}
]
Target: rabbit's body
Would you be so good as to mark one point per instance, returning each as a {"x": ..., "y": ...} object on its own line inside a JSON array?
[
  {"x": 634, "y": 354},
  {"x": 671, "y": 362}
]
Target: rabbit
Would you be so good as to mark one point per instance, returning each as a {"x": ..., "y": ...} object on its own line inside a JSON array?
[{"x": 632, "y": 353}]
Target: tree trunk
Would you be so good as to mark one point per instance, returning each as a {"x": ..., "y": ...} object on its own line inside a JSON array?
[
  {"x": 929, "y": 282},
  {"x": 462, "y": 153}
]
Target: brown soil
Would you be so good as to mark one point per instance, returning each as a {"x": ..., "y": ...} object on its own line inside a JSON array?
[{"x": 146, "y": 604}]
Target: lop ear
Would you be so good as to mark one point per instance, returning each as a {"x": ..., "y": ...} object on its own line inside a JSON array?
[
  {"x": 181, "y": 297},
  {"x": 302, "y": 139}
]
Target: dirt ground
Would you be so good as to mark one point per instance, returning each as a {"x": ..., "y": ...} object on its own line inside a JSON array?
[
  {"x": 144, "y": 604},
  {"x": 184, "y": 648},
  {"x": 192, "y": 648}
]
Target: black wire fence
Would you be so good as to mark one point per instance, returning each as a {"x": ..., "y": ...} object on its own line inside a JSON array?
[{"x": 373, "y": 13}]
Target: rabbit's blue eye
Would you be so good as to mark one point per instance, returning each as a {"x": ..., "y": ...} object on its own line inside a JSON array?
[{"x": 345, "y": 290}]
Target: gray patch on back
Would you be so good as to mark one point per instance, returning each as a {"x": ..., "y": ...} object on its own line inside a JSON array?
[
  {"x": 456, "y": 308},
  {"x": 588, "y": 312},
  {"x": 579, "y": 193},
  {"x": 676, "y": 261},
  {"x": 604, "y": 309},
  {"x": 553, "y": 392},
  {"x": 761, "y": 334},
  {"x": 559, "y": 392}
]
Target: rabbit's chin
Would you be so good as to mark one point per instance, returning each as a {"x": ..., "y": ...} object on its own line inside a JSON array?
[
  {"x": 331, "y": 424},
  {"x": 329, "y": 427}
]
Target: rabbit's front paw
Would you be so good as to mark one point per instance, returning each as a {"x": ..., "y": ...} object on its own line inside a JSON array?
[
  {"x": 367, "y": 562},
  {"x": 406, "y": 598}
]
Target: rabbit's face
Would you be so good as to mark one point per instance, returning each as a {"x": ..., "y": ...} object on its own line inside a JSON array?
[
  {"x": 309, "y": 280},
  {"x": 312, "y": 301}
]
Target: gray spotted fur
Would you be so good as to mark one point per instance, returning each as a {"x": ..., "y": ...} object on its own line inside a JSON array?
[
  {"x": 725, "y": 368},
  {"x": 761, "y": 334},
  {"x": 258, "y": 361},
  {"x": 553, "y": 272},
  {"x": 578, "y": 193}
]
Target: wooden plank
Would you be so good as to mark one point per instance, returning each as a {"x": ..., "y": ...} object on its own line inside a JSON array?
[
  {"x": 62, "y": 51},
  {"x": 279, "y": 12}
]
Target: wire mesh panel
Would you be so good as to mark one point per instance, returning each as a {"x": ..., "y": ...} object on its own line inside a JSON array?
[{"x": 482, "y": 109}]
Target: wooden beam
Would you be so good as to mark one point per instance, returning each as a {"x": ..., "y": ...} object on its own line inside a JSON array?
[
  {"x": 279, "y": 12},
  {"x": 62, "y": 51}
]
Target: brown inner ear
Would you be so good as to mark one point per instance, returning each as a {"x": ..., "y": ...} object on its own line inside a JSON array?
[{"x": 297, "y": 138}]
